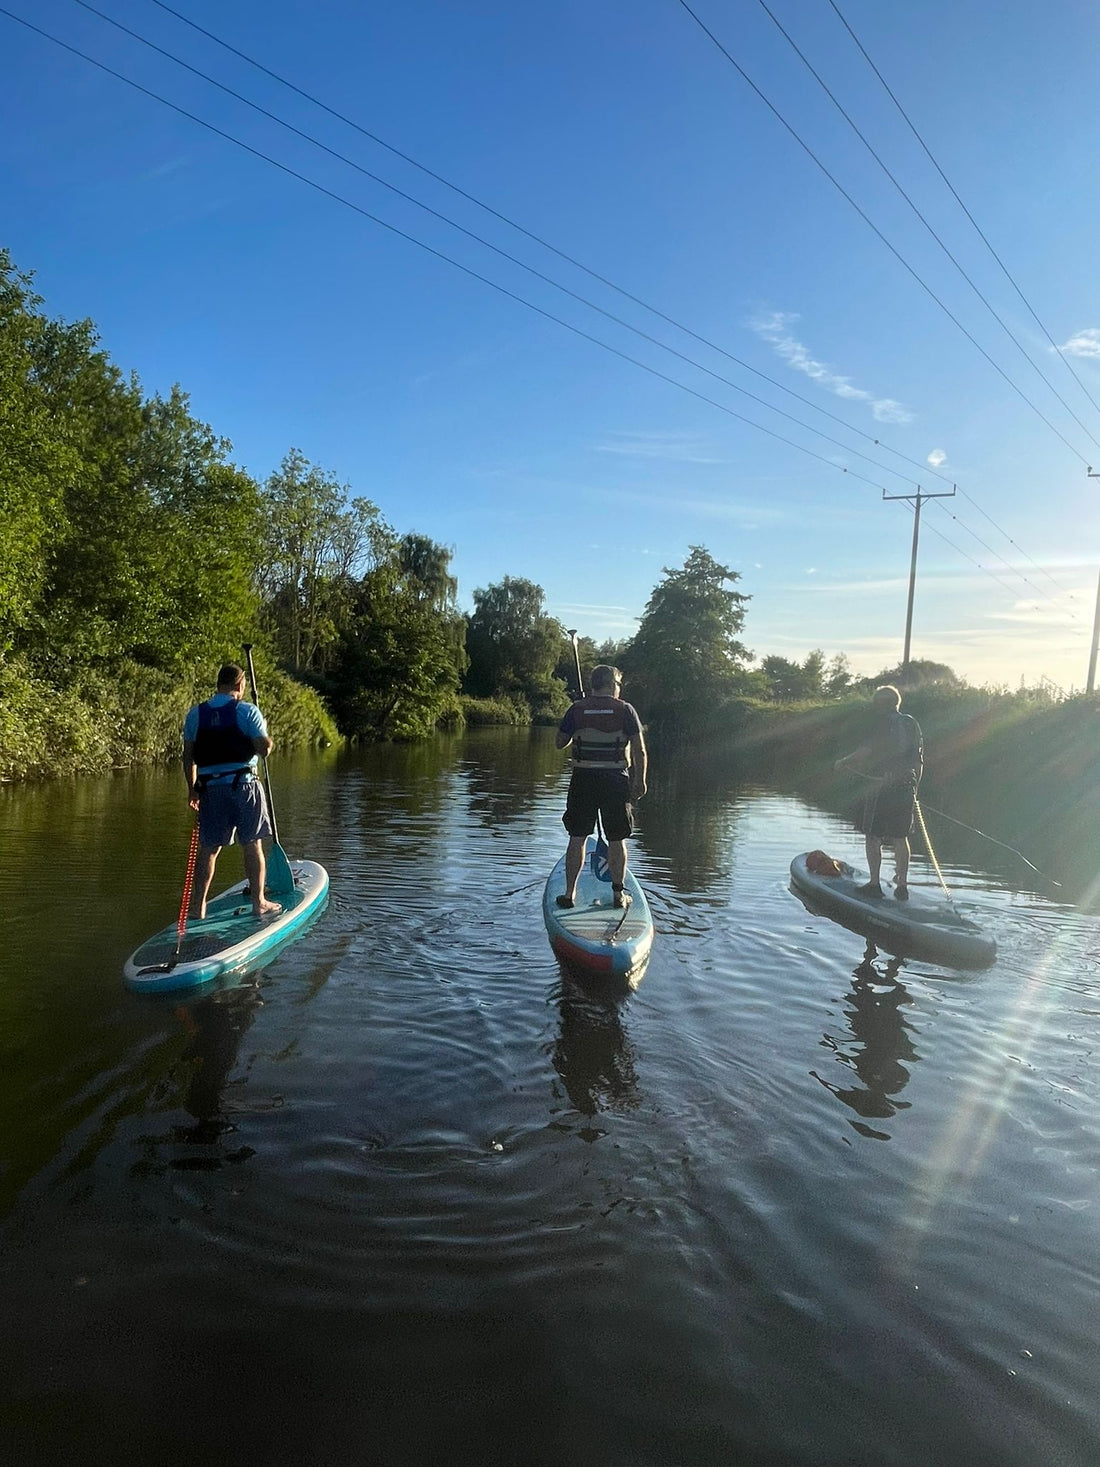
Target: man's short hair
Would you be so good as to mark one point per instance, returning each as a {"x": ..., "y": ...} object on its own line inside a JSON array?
[
  {"x": 230, "y": 675},
  {"x": 604, "y": 678},
  {"x": 887, "y": 694}
]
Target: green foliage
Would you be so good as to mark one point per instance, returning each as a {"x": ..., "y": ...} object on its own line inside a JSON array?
[
  {"x": 513, "y": 645},
  {"x": 793, "y": 682},
  {"x": 685, "y": 658},
  {"x": 918, "y": 673},
  {"x": 316, "y": 543},
  {"x": 400, "y": 653},
  {"x": 484, "y": 712}
]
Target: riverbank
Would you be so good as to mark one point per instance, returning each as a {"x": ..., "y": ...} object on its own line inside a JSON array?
[
  {"x": 130, "y": 717},
  {"x": 1019, "y": 767}
]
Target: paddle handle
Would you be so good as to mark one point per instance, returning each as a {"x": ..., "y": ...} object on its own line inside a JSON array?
[
  {"x": 247, "y": 648},
  {"x": 577, "y": 663}
]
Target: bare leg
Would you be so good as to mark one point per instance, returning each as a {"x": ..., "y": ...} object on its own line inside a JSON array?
[
  {"x": 616, "y": 861},
  {"x": 901, "y": 861},
  {"x": 873, "y": 845},
  {"x": 204, "y": 875},
  {"x": 255, "y": 868},
  {"x": 574, "y": 860}
]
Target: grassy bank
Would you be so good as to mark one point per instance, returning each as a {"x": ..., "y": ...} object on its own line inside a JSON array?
[
  {"x": 1021, "y": 768},
  {"x": 134, "y": 715}
]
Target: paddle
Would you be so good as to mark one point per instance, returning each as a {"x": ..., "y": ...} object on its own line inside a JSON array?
[
  {"x": 280, "y": 878},
  {"x": 600, "y": 869}
]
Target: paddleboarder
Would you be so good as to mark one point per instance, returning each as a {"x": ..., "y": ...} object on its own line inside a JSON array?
[
  {"x": 892, "y": 759},
  {"x": 609, "y": 772},
  {"x": 223, "y": 739}
]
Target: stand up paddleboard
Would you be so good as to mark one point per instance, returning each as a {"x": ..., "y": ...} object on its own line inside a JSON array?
[
  {"x": 229, "y": 939},
  {"x": 592, "y": 936},
  {"x": 924, "y": 927}
]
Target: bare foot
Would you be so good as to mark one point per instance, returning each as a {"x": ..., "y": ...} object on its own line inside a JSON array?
[{"x": 266, "y": 908}]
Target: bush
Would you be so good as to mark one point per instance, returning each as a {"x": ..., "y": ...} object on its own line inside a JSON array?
[
  {"x": 130, "y": 714},
  {"x": 485, "y": 712}
]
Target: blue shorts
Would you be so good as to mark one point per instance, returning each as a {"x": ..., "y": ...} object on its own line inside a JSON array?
[{"x": 224, "y": 809}]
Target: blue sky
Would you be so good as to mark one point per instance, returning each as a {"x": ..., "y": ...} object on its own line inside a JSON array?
[{"x": 620, "y": 134}]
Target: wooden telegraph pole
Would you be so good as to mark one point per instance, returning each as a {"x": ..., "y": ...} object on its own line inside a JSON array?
[
  {"x": 1095, "y": 622},
  {"x": 916, "y": 499}
]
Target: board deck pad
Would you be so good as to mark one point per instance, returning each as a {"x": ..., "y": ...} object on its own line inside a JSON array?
[
  {"x": 593, "y": 934},
  {"x": 229, "y": 937}
]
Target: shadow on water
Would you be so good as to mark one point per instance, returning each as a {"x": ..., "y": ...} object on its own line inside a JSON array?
[{"x": 881, "y": 1047}]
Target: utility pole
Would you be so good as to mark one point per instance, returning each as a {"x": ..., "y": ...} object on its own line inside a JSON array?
[
  {"x": 918, "y": 500},
  {"x": 1095, "y": 622}
]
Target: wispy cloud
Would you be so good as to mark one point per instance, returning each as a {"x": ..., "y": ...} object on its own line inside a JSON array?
[
  {"x": 774, "y": 328},
  {"x": 937, "y": 458},
  {"x": 165, "y": 169},
  {"x": 1083, "y": 344},
  {"x": 674, "y": 447}
]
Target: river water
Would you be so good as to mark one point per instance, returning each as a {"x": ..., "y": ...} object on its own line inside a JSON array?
[{"x": 414, "y": 1195}]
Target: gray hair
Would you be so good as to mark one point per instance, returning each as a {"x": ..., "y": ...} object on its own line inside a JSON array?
[{"x": 604, "y": 678}]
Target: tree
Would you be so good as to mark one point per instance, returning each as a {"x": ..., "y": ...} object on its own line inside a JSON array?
[
  {"x": 919, "y": 673},
  {"x": 512, "y": 643},
  {"x": 686, "y": 656},
  {"x": 35, "y": 460},
  {"x": 316, "y": 544},
  {"x": 838, "y": 679},
  {"x": 793, "y": 682}
]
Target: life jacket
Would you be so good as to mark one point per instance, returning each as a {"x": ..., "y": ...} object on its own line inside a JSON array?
[
  {"x": 599, "y": 732},
  {"x": 220, "y": 741},
  {"x": 897, "y": 750}
]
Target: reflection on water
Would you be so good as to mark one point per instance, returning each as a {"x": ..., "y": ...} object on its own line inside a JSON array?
[
  {"x": 215, "y": 1027},
  {"x": 881, "y": 1046},
  {"x": 454, "y": 1199},
  {"x": 593, "y": 1055}
]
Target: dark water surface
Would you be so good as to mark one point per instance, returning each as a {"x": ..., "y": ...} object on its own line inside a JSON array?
[{"x": 414, "y": 1196}]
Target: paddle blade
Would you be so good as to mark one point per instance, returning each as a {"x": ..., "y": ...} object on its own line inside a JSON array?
[
  {"x": 280, "y": 878},
  {"x": 598, "y": 860}
]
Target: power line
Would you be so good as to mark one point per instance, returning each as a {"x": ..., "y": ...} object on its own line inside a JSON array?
[
  {"x": 537, "y": 239},
  {"x": 448, "y": 259},
  {"x": 479, "y": 239},
  {"x": 980, "y": 232},
  {"x": 924, "y": 468},
  {"x": 875, "y": 229},
  {"x": 916, "y": 210},
  {"x": 431, "y": 250}
]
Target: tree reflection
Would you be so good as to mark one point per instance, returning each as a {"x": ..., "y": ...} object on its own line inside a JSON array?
[
  {"x": 593, "y": 1055},
  {"x": 882, "y": 1049}
]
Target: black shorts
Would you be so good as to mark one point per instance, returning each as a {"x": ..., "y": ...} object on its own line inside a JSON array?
[
  {"x": 887, "y": 812},
  {"x": 605, "y": 792}
]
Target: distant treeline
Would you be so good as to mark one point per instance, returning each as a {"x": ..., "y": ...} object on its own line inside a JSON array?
[{"x": 135, "y": 557}]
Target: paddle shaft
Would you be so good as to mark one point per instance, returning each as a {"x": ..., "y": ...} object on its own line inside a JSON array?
[
  {"x": 577, "y": 664},
  {"x": 263, "y": 757}
]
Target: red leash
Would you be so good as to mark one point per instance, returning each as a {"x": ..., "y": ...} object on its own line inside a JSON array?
[{"x": 181, "y": 925}]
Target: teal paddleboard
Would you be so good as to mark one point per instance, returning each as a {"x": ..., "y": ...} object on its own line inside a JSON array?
[{"x": 229, "y": 939}]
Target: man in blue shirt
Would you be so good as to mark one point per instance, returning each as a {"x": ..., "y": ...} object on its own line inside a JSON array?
[{"x": 222, "y": 740}]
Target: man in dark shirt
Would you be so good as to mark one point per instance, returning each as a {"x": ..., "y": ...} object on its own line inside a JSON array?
[
  {"x": 892, "y": 760},
  {"x": 609, "y": 772}
]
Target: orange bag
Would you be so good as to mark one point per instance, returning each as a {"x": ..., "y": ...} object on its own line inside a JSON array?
[{"x": 819, "y": 864}]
